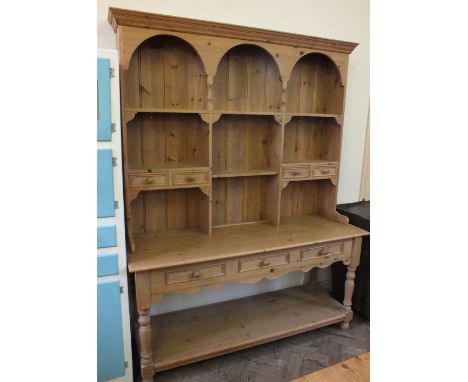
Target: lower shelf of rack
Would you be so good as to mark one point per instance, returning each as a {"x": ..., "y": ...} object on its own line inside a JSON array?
[{"x": 192, "y": 335}]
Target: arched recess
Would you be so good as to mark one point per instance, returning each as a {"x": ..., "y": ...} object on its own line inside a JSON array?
[
  {"x": 247, "y": 79},
  {"x": 165, "y": 72},
  {"x": 315, "y": 86}
]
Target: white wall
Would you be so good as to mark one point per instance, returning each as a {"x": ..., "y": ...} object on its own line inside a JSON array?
[{"x": 337, "y": 19}]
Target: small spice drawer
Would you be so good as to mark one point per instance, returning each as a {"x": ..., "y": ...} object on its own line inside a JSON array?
[
  {"x": 295, "y": 172},
  {"x": 324, "y": 170},
  {"x": 263, "y": 262},
  {"x": 193, "y": 274},
  {"x": 180, "y": 178},
  {"x": 149, "y": 180}
]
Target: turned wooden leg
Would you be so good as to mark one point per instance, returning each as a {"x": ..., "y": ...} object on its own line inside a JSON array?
[
  {"x": 348, "y": 297},
  {"x": 146, "y": 353}
]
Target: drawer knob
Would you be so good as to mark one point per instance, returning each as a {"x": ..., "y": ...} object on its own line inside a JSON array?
[
  {"x": 196, "y": 274},
  {"x": 190, "y": 179},
  {"x": 149, "y": 180},
  {"x": 265, "y": 263},
  {"x": 324, "y": 252},
  {"x": 295, "y": 173},
  {"x": 325, "y": 170}
]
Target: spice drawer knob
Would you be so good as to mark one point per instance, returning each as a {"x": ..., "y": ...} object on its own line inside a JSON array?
[
  {"x": 149, "y": 180},
  {"x": 265, "y": 263},
  {"x": 196, "y": 274},
  {"x": 325, "y": 170},
  {"x": 190, "y": 178}
]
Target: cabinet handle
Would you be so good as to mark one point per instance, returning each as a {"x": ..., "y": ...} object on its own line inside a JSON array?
[
  {"x": 325, "y": 170},
  {"x": 190, "y": 179},
  {"x": 324, "y": 252},
  {"x": 265, "y": 263},
  {"x": 149, "y": 180},
  {"x": 196, "y": 274},
  {"x": 295, "y": 173}
]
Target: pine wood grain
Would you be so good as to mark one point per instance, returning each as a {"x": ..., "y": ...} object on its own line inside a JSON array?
[
  {"x": 181, "y": 247},
  {"x": 199, "y": 333},
  {"x": 356, "y": 369}
]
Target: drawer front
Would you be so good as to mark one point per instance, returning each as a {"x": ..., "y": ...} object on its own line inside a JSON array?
[
  {"x": 194, "y": 274},
  {"x": 190, "y": 177},
  {"x": 263, "y": 262},
  {"x": 149, "y": 180},
  {"x": 325, "y": 170},
  {"x": 296, "y": 172},
  {"x": 323, "y": 252}
]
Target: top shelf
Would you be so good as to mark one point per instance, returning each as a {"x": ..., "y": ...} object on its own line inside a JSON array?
[{"x": 229, "y": 112}]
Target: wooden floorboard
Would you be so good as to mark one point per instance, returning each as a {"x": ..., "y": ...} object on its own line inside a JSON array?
[
  {"x": 278, "y": 361},
  {"x": 356, "y": 369}
]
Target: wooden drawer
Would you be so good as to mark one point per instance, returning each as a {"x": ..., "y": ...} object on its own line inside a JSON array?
[
  {"x": 325, "y": 170},
  {"x": 193, "y": 274},
  {"x": 323, "y": 252},
  {"x": 296, "y": 172},
  {"x": 263, "y": 262},
  {"x": 190, "y": 177},
  {"x": 149, "y": 180}
]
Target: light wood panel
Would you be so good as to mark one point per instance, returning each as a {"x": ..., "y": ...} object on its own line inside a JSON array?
[
  {"x": 165, "y": 140},
  {"x": 247, "y": 79},
  {"x": 195, "y": 334},
  {"x": 356, "y": 369},
  {"x": 164, "y": 210},
  {"x": 309, "y": 197},
  {"x": 245, "y": 143},
  {"x": 166, "y": 72},
  {"x": 315, "y": 86},
  {"x": 309, "y": 139},
  {"x": 243, "y": 199}
]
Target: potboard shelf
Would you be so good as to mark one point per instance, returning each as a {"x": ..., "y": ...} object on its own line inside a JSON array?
[{"x": 191, "y": 335}]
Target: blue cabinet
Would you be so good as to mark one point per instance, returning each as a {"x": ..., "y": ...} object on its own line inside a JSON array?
[
  {"x": 110, "y": 348},
  {"x": 104, "y": 127},
  {"x": 113, "y": 321}
]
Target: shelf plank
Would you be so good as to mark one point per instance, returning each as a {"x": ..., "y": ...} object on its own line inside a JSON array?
[
  {"x": 227, "y": 112},
  {"x": 156, "y": 250},
  {"x": 233, "y": 174},
  {"x": 195, "y": 334}
]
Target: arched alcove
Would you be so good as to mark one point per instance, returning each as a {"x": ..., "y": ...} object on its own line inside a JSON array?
[
  {"x": 165, "y": 72},
  {"x": 315, "y": 86},
  {"x": 247, "y": 79}
]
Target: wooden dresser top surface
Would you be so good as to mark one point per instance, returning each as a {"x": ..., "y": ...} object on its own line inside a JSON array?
[{"x": 157, "y": 250}]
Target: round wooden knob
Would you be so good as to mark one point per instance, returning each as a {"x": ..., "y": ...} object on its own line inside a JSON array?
[
  {"x": 323, "y": 252},
  {"x": 265, "y": 263},
  {"x": 190, "y": 178},
  {"x": 149, "y": 180},
  {"x": 296, "y": 173},
  {"x": 325, "y": 170},
  {"x": 196, "y": 274}
]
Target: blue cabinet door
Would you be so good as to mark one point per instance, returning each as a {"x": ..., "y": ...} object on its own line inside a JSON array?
[
  {"x": 105, "y": 184},
  {"x": 104, "y": 132},
  {"x": 110, "y": 353}
]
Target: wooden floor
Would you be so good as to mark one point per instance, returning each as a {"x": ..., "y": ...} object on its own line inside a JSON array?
[
  {"x": 356, "y": 369},
  {"x": 279, "y": 361}
]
